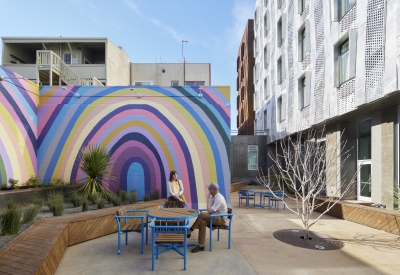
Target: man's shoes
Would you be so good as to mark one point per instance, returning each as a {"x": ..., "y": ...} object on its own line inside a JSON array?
[
  {"x": 197, "y": 248},
  {"x": 189, "y": 234}
]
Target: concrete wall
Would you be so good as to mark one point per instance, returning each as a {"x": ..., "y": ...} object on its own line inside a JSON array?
[
  {"x": 383, "y": 170},
  {"x": 163, "y": 73},
  {"x": 239, "y": 159}
]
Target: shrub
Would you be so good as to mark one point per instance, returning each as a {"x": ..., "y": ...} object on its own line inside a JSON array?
[
  {"x": 30, "y": 213},
  {"x": 55, "y": 202},
  {"x": 39, "y": 201},
  {"x": 57, "y": 208},
  {"x": 85, "y": 205},
  {"x": 10, "y": 221},
  {"x": 76, "y": 199},
  {"x": 132, "y": 197},
  {"x": 115, "y": 200},
  {"x": 4, "y": 185},
  {"x": 57, "y": 182},
  {"x": 94, "y": 198},
  {"x": 122, "y": 194},
  {"x": 155, "y": 194},
  {"x": 146, "y": 197},
  {"x": 33, "y": 182},
  {"x": 13, "y": 183},
  {"x": 101, "y": 203},
  {"x": 11, "y": 204},
  {"x": 55, "y": 196}
]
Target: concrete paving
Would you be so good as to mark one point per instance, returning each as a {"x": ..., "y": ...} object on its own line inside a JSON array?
[{"x": 254, "y": 250}]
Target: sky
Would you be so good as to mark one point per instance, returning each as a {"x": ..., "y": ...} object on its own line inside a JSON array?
[{"x": 148, "y": 30}]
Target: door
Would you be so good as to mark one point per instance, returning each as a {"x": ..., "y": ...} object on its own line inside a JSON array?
[{"x": 364, "y": 181}]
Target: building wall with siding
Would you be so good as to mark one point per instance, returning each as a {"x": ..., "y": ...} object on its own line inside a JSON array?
[{"x": 118, "y": 65}]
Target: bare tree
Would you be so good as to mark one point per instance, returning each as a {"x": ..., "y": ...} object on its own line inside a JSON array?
[{"x": 307, "y": 167}]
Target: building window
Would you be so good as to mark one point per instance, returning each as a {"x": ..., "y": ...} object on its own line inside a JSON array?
[
  {"x": 341, "y": 7},
  {"x": 344, "y": 62},
  {"x": 279, "y": 109},
  {"x": 281, "y": 70},
  {"x": 67, "y": 58},
  {"x": 304, "y": 87},
  {"x": 86, "y": 61},
  {"x": 255, "y": 47},
  {"x": 252, "y": 157},
  {"x": 304, "y": 41},
  {"x": 265, "y": 121},
  {"x": 266, "y": 91},
  {"x": 175, "y": 83},
  {"x": 255, "y": 74},
  {"x": 265, "y": 25},
  {"x": 279, "y": 30},
  {"x": 266, "y": 63},
  {"x": 255, "y": 20},
  {"x": 345, "y": 52},
  {"x": 344, "y": 7},
  {"x": 194, "y": 83},
  {"x": 265, "y": 3},
  {"x": 143, "y": 83},
  {"x": 281, "y": 27},
  {"x": 279, "y": 3},
  {"x": 302, "y": 5}
]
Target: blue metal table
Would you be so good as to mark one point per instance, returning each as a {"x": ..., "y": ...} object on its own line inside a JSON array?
[{"x": 262, "y": 194}]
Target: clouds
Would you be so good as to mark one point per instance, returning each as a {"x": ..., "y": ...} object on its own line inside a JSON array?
[
  {"x": 171, "y": 31},
  {"x": 242, "y": 11}
]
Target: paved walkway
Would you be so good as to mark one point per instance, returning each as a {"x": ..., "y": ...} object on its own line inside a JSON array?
[{"x": 253, "y": 251}]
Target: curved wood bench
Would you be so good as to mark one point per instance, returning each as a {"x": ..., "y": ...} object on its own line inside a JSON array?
[{"x": 40, "y": 248}]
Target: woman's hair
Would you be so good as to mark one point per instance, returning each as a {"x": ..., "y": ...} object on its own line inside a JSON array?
[{"x": 171, "y": 175}]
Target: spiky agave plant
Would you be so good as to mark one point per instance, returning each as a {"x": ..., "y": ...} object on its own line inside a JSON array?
[{"x": 94, "y": 162}]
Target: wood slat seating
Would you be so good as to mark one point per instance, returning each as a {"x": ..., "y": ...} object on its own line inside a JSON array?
[
  {"x": 244, "y": 193},
  {"x": 171, "y": 239},
  {"x": 221, "y": 227},
  {"x": 124, "y": 226}
]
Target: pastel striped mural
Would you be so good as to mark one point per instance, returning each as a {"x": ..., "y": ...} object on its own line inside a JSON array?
[
  {"x": 18, "y": 127},
  {"x": 167, "y": 128}
]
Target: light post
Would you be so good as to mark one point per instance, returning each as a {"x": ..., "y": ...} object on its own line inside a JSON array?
[{"x": 183, "y": 58}]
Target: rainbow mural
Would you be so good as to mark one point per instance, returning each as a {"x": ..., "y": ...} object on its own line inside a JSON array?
[
  {"x": 18, "y": 127},
  {"x": 166, "y": 128}
]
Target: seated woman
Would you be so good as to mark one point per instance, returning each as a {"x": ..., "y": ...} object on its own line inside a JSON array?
[{"x": 175, "y": 188}]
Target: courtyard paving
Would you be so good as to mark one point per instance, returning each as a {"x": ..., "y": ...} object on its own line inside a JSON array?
[{"x": 254, "y": 250}]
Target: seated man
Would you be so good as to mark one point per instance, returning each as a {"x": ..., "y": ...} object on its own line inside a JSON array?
[{"x": 216, "y": 204}]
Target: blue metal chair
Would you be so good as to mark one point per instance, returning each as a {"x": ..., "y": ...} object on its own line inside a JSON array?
[
  {"x": 220, "y": 227},
  {"x": 279, "y": 196},
  {"x": 246, "y": 194},
  {"x": 172, "y": 236},
  {"x": 124, "y": 227}
]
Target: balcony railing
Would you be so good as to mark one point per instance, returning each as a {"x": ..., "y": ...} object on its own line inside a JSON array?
[{"x": 91, "y": 82}]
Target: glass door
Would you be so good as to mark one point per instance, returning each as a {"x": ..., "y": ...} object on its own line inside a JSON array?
[
  {"x": 364, "y": 181},
  {"x": 364, "y": 186}
]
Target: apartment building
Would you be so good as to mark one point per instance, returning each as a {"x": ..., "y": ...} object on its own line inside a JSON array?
[
  {"x": 244, "y": 82},
  {"x": 67, "y": 60},
  {"x": 171, "y": 74},
  {"x": 334, "y": 64}
]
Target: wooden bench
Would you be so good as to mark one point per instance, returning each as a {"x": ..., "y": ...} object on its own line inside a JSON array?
[{"x": 40, "y": 248}]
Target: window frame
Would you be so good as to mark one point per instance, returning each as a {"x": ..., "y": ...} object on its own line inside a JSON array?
[
  {"x": 64, "y": 55},
  {"x": 197, "y": 82},
  {"x": 250, "y": 165},
  {"x": 172, "y": 83}
]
